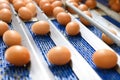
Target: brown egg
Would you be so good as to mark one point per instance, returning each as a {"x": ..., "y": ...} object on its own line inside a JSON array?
[
  {"x": 71, "y": 10},
  {"x": 47, "y": 9},
  {"x": 57, "y": 10},
  {"x": 3, "y": 27},
  {"x": 17, "y": 55},
  {"x": 59, "y": 55},
  {"x": 40, "y": 28},
  {"x": 72, "y": 28},
  {"x": 4, "y": 5},
  {"x": 18, "y": 4},
  {"x": 63, "y": 18},
  {"x": 108, "y": 40},
  {"x": 51, "y": 1},
  {"x": 4, "y": 1},
  {"x": 116, "y": 6},
  {"x": 23, "y": 13},
  {"x": 37, "y": 1},
  {"x": 42, "y": 2},
  {"x": 32, "y": 7},
  {"x": 57, "y": 4},
  {"x": 5, "y": 15},
  {"x": 83, "y": 20},
  {"x": 27, "y": 1},
  {"x": 83, "y": 7},
  {"x": 105, "y": 58},
  {"x": 14, "y": 1},
  {"x": 12, "y": 37},
  {"x": 91, "y": 3}
]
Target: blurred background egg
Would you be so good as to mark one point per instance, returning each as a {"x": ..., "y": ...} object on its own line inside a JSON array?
[
  {"x": 32, "y": 7},
  {"x": 83, "y": 7},
  {"x": 63, "y": 18},
  {"x": 5, "y": 15},
  {"x": 47, "y": 9},
  {"x": 23, "y": 13},
  {"x": 83, "y": 20},
  {"x": 18, "y": 4},
  {"x": 59, "y": 55},
  {"x": 57, "y": 10},
  {"x": 40, "y": 28},
  {"x": 91, "y": 3},
  {"x": 105, "y": 59},
  {"x": 3, "y": 27},
  {"x": 12, "y": 37},
  {"x": 72, "y": 28},
  {"x": 4, "y": 5},
  {"x": 108, "y": 40},
  {"x": 17, "y": 55}
]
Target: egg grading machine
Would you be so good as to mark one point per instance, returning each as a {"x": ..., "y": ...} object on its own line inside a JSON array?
[{"x": 81, "y": 46}]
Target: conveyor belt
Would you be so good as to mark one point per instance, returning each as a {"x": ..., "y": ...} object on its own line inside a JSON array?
[
  {"x": 44, "y": 43},
  {"x": 8, "y": 71},
  {"x": 86, "y": 51}
]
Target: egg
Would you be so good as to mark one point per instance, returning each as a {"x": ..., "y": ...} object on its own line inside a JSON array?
[
  {"x": 47, "y": 9},
  {"x": 83, "y": 20},
  {"x": 40, "y": 28},
  {"x": 71, "y": 10},
  {"x": 63, "y": 18},
  {"x": 32, "y": 7},
  {"x": 4, "y": 5},
  {"x": 18, "y": 4},
  {"x": 83, "y": 7},
  {"x": 23, "y": 13},
  {"x": 3, "y": 27},
  {"x": 17, "y": 55},
  {"x": 72, "y": 28},
  {"x": 91, "y": 3},
  {"x": 116, "y": 6},
  {"x": 59, "y": 55},
  {"x": 106, "y": 39},
  {"x": 5, "y": 15},
  {"x": 42, "y": 2},
  {"x": 12, "y": 37},
  {"x": 56, "y": 4},
  {"x": 57, "y": 10},
  {"x": 27, "y": 1},
  {"x": 104, "y": 58}
]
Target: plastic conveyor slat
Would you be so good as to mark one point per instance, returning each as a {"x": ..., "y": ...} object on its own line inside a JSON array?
[
  {"x": 8, "y": 71},
  {"x": 86, "y": 51},
  {"x": 44, "y": 43}
]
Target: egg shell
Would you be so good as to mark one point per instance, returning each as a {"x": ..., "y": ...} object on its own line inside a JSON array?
[
  {"x": 23, "y": 13},
  {"x": 108, "y": 40},
  {"x": 17, "y": 55},
  {"x": 105, "y": 59},
  {"x": 5, "y": 15},
  {"x": 59, "y": 55},
  {"x": 40, "y": 28},
  {"x": 12, "y": 37},
  {"x": 72, "y": 28},
  {"x": 56, "y": 4},
  {"x": 83, "y": 7},
  {"x": 91, "y": 3},
  {"x": 47, "y": 9},
  {"x": 4, "y": 5},
  {"x": 83, "y": 20},
  {"x": 63, "y": 18},
  {"x": 32, "y": 7},
  {"x": 3, "y": 27},
  {"x": 57, "y": 10},
  {"x": 18, "y": 4}
]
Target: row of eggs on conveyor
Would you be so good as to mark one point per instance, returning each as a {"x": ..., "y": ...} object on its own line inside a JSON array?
[{"x": 54, "y": 59}]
